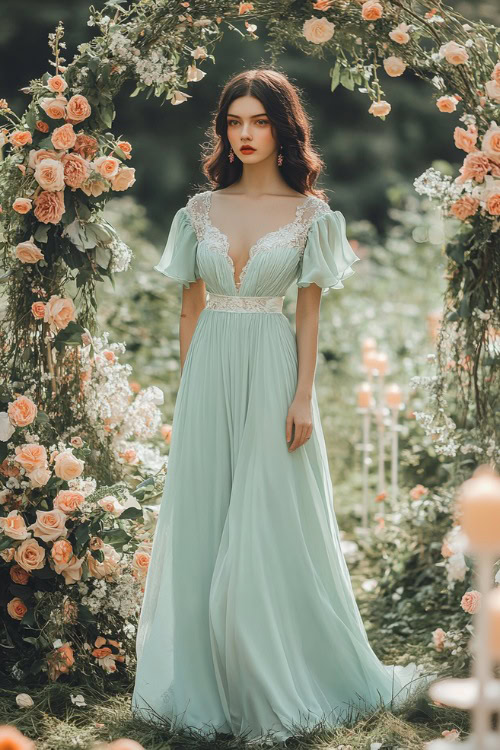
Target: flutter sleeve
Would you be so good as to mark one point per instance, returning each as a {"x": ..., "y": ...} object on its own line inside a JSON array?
[
  {"x": 179, "y": 256},
  {"x": 328, "y": 257}
]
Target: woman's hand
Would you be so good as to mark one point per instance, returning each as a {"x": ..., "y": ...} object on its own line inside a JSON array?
[{"x": 299, "y": 416}]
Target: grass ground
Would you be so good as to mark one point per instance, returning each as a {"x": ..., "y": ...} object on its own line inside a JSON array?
[{"x": 56, "y": 723}]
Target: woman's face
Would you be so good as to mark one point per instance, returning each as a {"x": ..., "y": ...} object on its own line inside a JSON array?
[{"x": 248, "y": 124}]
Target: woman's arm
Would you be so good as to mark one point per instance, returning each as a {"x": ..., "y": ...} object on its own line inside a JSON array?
[
  {"x": 307, "y": 325},
  {"x": 193, "y": 302}
]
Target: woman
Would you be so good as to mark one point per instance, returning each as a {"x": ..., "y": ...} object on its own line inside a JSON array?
[{"x": 249, "y": 624}]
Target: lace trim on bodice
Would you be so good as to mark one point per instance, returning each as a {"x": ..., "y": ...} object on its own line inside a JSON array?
[
  {"x": 235, "y": 303},
  {"x": 293, "y": 234}
]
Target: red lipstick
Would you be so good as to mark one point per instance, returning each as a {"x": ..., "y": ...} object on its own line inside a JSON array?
[{"x": 247, "y": 149}]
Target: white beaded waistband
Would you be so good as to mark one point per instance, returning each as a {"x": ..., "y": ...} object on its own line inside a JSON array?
[{"x": 235, "y": 303}]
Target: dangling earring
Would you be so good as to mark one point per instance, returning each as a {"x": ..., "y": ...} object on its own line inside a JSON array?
[
  {"x": 280, "y": 157},
  {"x": 231, "y": 154}
]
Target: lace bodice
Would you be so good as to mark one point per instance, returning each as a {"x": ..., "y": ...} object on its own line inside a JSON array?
[{"x": 292, "y": 235}]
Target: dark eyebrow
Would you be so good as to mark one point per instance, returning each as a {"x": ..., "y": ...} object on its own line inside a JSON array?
[{"x": 239, "y": 118}]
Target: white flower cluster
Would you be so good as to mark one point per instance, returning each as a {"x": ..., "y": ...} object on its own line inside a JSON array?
[
  {"x": 122, "y": 598},
  {"x": 142, "y": 419},
  {"x": 121, "y": 255},
  {"x": 153, "y": 67},
  {"x": 438, "y": 186}
]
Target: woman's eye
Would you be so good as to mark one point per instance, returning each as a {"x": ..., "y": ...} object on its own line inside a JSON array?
[{"x": 230, "y": 122}]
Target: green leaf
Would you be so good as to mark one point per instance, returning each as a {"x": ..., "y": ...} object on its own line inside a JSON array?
[
  {"x": 346, "y": 79},
  {"x": 131, "y": 512},
  {"x": 335, "y": 75},
  {"x": 42, "y": 233}
]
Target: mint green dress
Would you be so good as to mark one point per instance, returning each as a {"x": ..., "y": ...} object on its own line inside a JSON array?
[{"x": 249, "y": 623}]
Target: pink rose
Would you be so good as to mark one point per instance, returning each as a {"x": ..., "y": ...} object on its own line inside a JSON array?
[
  {"x": 318, "y": 30},
  {"x": 31, "y": 456},
  {"x": 465, "y": 139},
  {"x": 126, "y": 147},
  {"x": 394, "y": 66},
  {"x": 76, "y": 441},
  {"x": 123, "y": 179},
  {"x": 36, "y": 155},
  {"x": 471, "y": 602},
  {"x": 20, "y": 138},
  {"x": 76, "y": 169},
  {"x": 28, "y": 252},
  {"x": 49, "y": 206},
  {"x": 78, "y": 108},
  {"x": 475, "y": 167},
  {"x": 67, "y": 466},
  {"x": 54, "y": 107},
  {"x": 39, "y": 477},
  {"x": 64, "y": 137},
  {"x": 14, "y": 526},
  {"x": 454, "y": 53},
  {"x": 22, "y": 205},
  {"x": 86, "y": 146},
  {"x": 371, "y": 10},
  {"x": 22, "y": 411},
  {"x": 59, "y": 311},
  {"x": 380, "y": 109},
  {"x": 446, "y": 104},
  {"x": 464, "y": 207},
  {"x": 68, "y": 500},
  {"x": 400, "y": 34},
  {"x": 57, "y": 84},
  {"x": 16, "y": 608},
  {"x": 438, "y": 638},
  {"x": 417, "y": 491},
  {"x": 49, "y": 173},
  {"x": 38, "y": 310},
  {"x": 61, "y": 552},
  {"x": 49, "y": 525},
  {"x": 30, "y": 555},
  {"x": 140, "y": 563}
]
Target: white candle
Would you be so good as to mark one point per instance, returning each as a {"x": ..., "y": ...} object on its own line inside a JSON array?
[
  {"x": 479, "y": 503},
  {"x": 368, "y": 344},
  {"x": 382, "y": 362},
  {"x": 364, "y": 395},
  {"x": 370, "y": 359},
  {"x": 393, "y": 396}
]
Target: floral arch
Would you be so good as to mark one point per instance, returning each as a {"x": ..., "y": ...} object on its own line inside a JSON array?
[{"x": 70, "y": 511}]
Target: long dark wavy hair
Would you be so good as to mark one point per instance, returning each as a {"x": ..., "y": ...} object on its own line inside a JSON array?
[{"x": 302, "y": 164}]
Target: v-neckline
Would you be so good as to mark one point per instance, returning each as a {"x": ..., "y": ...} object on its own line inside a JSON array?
[{"x": 253, "y": 248}]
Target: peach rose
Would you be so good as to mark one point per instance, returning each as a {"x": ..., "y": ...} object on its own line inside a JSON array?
[
  {"x": 68, "y": 500},
  {"x": 490, "y": 144},
  {"x": 493, "y": 203},
  {"x": 76, "y": 169},
  {"x": 417, "y": 491},
  {"x": 14, "y": 526},
  {"x": 464, "y": 207},
  {"x": 438, "y": 638},
  {"x": 28, "y": 252},
  {"x": 400, "y": 34},
  {"x": 36, "y": 155},
  {"x": 54, "y": 107},
  {"x": 72, "y": 571},
  {"x": 123, "y": 179},
  {"x": 86, "y": 146},
  {"x": 471, "y": 602},
  {"x": 30, "y": 555},
  {"x": 140, "y": 563},
  {"x": 129, "y": 455},
  {"x": 38, "y": 310},
  {"x": 60, "y": 661},
  {"x": 94, "y": 187},
  {"x": 394, "y": 66},
  {"x": 19, "y": 575},
  {"x": 371, "y": 10},
  {"x": 31, "y": 456},
  {"x": 446, "y": 550},
  {"x": 22, "y": 205},
  {"x": 76, "y": 441},
  {"x": 78, "y": 108},
  {"x": 61, "y": 552},
  {"x": 22, "y": 411},
  {"x": 59, "y": 311},
  {"x": 49, "y": 525},
  {"x": 8, "y": 554},
  {"x": 6, "y": 468},
  {"x": 49, "y": 173},
  {"x": 475, "y": 167},
  {"x": 318, "y": 30},
  {"x": 454, "y": 53},
  {"x": 446, "y": 103},
  {"x": 126, "y": 147},
  {"x": 492, "y": 90},
  {"x": 64, "y": 137},
  {"x": 67, "y": 466},
  {"x": 39, "y": 477},
  {"x": 110, "y": 504},
  {"x": 465, "y": 139},
  {"x": 166, "y": 432},
  {"x": 17, "y": 608},
  {"x": 42, "y": 126},
  {"x": 107, "y": 166},
  {"x": 20, "y": 138},
  {"x": 57, "y": 84},
  {"x": 49, "y": 207},
  {"x": 380, "y": 109},
  {"x": 244, "y": 7}
]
